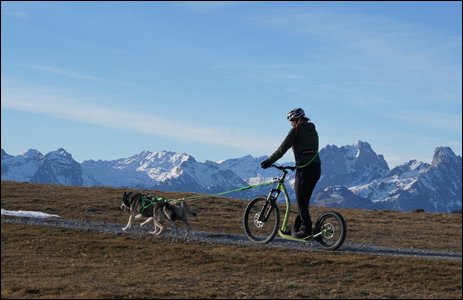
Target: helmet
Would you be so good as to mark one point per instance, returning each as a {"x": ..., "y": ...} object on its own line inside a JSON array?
[{"x": 296, "y": 113}]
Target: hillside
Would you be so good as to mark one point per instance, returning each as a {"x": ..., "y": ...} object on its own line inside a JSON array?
[{"x": 58, "y": 263}]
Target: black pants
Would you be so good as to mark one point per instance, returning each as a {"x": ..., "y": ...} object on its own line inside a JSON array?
[{"x": 306, "y": 179}]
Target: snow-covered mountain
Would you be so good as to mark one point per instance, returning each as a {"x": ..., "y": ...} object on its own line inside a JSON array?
[
  {"x": 352, "y": 176},
  {"x": 396, "y": 180},
  {"x": 351, "y": 165},
  {"x": 21, "y": 167},
  {"x": 167, "y": 171},
  {"x": 434, "y": 188},
  {"x": 57, "y": 167},
  {"x": 340, "y": 196},
  {"x": 437, "y": 189}
]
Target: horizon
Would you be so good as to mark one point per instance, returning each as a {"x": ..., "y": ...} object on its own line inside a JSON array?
[
  {"x": 216, "y": 79},
  {"x": 167, "y": 151}
]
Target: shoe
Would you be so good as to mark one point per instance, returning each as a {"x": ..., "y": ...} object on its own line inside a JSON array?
[{"x": 302, "y": 235}]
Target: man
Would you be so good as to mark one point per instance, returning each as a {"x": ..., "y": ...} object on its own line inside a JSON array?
[{"x": 303, "y": 138}]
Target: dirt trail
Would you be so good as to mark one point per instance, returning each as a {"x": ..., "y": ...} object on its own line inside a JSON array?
[{"x": 225, "y": 238}]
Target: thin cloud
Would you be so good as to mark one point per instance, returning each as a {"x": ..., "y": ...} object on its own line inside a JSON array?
[
  {"x": 71, "y": 74},
  {"x": 98, "y": 47},
  {"x": 62, "y": 72},
  {"x": 396, "y": 46},
  {"x": 59, "y": 106},
  {"x": 263, "y": 72},
  {"x": 207, "y": 6},
  {"x": 372, "y": 50},
  {"x": 6, "y": 11},
  {"x": 431, "y": 119},
  {"x": 17, "y": 14}
]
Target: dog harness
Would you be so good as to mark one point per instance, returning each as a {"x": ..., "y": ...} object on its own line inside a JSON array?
[{"x": 150, "y": 201}]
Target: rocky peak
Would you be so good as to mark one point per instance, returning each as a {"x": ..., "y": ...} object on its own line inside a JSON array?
[
  {"x": 5, "y": 155},
  {"x": 31, "y": 154},
  {"x": 444, "y": 155},
  {"x": 356, "y": 164},
  {"x": 59, "y": 155}
]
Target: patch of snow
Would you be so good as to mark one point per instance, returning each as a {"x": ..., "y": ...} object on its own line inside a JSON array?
[{"x": 26, "y": 213}]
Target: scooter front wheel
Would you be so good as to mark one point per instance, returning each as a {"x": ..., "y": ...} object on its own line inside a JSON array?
[{"x": 261, "y": 220}]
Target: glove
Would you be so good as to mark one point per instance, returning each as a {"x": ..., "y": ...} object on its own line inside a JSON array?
[{"x": 265, "y": 164}]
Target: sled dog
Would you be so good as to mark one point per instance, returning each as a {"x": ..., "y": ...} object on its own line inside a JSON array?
[
  {"x": 164, "y": 211},
  {"x": 138, "y": 207}
]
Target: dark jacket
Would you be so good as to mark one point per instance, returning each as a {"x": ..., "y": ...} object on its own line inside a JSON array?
[{"x": 307, "y": 139}]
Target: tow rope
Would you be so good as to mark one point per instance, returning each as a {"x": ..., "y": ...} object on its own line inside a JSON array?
[
  {"x": 219, "y": 194},
  {"x": 299, "y": 167},
  {"x": 150, "y": 201}
]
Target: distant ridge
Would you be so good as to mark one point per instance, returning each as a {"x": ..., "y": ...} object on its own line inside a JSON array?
[{"x": 353, "y": 176}]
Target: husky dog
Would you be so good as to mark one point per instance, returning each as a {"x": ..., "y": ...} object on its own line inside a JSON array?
[
  {"x": 153, "y": 198},
  {"x": 163, "y": 211},
  {"x": 139, "y": 208}
]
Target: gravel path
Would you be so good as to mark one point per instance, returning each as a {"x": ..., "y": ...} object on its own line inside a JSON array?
[{"x": 225, "y": 238}]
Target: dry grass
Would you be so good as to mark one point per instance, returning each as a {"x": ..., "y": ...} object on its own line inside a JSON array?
[{"x": 46, "y": 262}]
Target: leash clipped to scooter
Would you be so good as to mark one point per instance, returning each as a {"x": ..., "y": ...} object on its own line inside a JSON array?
[{"x": 219, "y": 194}]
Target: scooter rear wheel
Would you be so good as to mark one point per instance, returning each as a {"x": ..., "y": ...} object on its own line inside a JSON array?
[{"x": 334, "y": 230}]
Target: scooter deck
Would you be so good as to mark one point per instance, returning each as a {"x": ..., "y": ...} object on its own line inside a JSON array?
[{"x": 290, "y": 237}]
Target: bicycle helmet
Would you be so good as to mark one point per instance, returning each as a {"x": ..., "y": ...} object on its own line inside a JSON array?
[{"x": 296, "y": 113}]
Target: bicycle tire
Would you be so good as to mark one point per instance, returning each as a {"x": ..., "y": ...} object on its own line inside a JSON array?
[
  {"x": 261, "y": 232},
  {"x": 337, "y": 230}
]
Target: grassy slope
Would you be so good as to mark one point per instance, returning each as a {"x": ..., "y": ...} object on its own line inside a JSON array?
[{"x": 44, "y": 262}]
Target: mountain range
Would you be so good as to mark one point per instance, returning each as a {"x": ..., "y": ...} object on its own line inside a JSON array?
[{"x": 353, "y": 176}]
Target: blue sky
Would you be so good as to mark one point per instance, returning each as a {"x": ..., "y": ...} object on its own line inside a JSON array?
[{"x": 107, "y": 80}]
